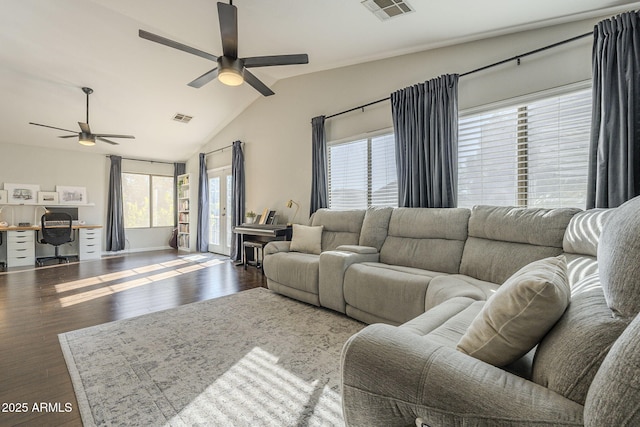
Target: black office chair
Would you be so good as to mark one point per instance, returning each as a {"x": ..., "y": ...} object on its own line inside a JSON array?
[{"x": 56, "y": 228}]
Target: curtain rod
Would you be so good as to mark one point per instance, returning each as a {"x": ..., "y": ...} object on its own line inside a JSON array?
[
  {"x": 221, "y": 149},
  {"x": 142, "y": 160},
  {"x": 495, "y": 64}
]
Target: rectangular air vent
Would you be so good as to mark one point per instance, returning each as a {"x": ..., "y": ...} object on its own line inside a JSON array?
[
  {"x": 385, "y": 9},
  {"x": 182, "y": 118}
]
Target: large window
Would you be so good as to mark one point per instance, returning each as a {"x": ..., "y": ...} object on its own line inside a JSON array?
[
  {"x": 362, "y": 173},
  {"x": 528, "y": 154},
  {"x": 147, "y": 200}
]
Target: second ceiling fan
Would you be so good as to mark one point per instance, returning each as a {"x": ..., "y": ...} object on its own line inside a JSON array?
[{"x": 230, "y": 70}]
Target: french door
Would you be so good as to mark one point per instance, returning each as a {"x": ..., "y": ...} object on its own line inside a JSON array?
[{"x": 220, "y": 199}]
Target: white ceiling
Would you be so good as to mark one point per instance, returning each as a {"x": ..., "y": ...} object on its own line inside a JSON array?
[{"x": 50, "y": 49}]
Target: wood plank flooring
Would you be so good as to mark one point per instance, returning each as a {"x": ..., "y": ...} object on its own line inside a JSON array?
[{"x": 38, "y": 304}]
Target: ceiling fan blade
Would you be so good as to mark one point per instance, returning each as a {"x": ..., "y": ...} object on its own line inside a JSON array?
[
  {"x": 170, "y": 43},
  {"x": 205, "y": 78},
  {"x": 69, "y": 136},
  {"x": 84, "y": 127},
  {"x": 267, "y": 61},
  {"x": 228, "y": 17},
  {"x": 109, "y": 135},
  {"x": 106, "y": 140},
  {"x": 53, "y": 127},
  {"x": 257, "y": 84}
]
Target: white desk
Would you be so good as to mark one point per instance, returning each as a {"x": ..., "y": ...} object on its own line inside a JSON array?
[{"x": 21, "y": 244}]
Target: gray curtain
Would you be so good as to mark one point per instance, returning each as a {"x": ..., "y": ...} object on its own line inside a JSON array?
[
  {"x": 237, "y": 203},
  {"x": 319, "y": 184},
  {"x": 425, "y": 122},
  {"x": 614, "y": 157},
  {"x": 202, "y": 236},
  {"x": 178, "y": 169},
  {"x": 115, "y": 211}
]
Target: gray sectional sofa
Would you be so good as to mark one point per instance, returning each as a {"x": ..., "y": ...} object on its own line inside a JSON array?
[{"x": 421, "y": 277}]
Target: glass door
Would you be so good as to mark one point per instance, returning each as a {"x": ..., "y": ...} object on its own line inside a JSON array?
[{"x": 220, "y": 198}]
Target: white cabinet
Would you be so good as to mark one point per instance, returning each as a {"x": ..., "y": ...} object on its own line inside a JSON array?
[
  {"x": 21, "y": 248},
  {"x": 90, "y": 243}
]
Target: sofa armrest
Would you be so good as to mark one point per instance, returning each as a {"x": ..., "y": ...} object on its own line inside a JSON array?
[
  {"x": 357, "y": 249},
  {"x": 276, "y": 246},
  {"x": 391, "y": 376},
  {"x": 333, "y": 266}
]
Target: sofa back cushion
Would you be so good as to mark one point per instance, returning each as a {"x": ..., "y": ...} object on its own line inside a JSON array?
[
  {"x": 375, "y": 227},
  {"x": 580, "y": 243},
  {"x": 340, "y": 227},
  {"x": 602, "y": 305},
  {"x": 502, "y": 240},
  {"x": 426, "y": 238}
]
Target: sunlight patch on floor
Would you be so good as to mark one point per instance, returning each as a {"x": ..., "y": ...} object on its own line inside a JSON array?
[
  {"x": 259, "y": 391},
  {"x": 105, "y": 279}
]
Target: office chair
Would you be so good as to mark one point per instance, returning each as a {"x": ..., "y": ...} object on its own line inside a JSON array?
[{"x": 56, "y": 228}]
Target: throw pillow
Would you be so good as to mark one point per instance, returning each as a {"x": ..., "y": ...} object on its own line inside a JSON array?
[
  {"x": 306, "y": 239},
  {"x": 520, "y": 313}
]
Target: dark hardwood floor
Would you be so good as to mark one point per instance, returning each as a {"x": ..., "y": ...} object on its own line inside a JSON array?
[{"x": 38, "y": 304}]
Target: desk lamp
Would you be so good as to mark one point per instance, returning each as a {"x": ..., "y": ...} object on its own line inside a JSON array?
[
  {"x": 290, "y": 203},
  {"x": 12, "y": 214}
]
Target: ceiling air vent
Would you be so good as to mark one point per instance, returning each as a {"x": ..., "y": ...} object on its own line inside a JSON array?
[
  {"x": 182, "y": 118},
  {"x": 385, "y": 9}
]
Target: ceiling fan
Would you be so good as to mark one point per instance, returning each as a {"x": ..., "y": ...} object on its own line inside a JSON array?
[
  {"x": 231, "y": 70},
  {"x": 85, "y": 137}
]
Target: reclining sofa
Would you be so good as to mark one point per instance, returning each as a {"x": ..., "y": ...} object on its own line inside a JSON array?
[{"x": 421, "y": 279}]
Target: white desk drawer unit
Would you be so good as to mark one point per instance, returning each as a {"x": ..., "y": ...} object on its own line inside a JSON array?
[
  {"x": 21, "y": 248},
  {"x": 90, "y": 243}
]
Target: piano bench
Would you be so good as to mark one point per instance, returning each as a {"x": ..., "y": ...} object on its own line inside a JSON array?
[{"x": 258, "y": 249}]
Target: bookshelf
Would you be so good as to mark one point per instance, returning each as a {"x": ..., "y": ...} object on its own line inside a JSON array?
[{"x": 184, "y": 200}]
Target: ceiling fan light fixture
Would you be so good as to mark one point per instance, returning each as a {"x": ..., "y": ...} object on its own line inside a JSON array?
[
  {"x": 230, "y": 71},
  {"x": 87, "y": 139}
]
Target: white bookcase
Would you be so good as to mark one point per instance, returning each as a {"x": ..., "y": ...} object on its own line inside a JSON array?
[{"x": 184, "y": 201}]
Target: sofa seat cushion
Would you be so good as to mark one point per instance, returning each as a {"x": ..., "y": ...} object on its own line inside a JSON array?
[
  {"x": 377, "y": 292},
  {"x": 446, "y": 323},
  {"x": 295, "y": 270},
  {"x": 444, "y": 288},
  {"x": 519, "y": 314}
]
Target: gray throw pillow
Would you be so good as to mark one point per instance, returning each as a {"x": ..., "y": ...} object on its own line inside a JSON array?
[
  {"x": 520, "y": 313},
  {"x": 307, "y": 239}
]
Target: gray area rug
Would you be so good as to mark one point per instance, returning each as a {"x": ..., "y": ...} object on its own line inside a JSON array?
[{"x": 250, "y": 359}]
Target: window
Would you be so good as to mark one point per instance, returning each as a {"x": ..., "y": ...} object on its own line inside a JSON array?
[
  {"x": 362, "y": 173},
  {"x": 147, "y": 200},
  {"x": 532, "y": 154}
]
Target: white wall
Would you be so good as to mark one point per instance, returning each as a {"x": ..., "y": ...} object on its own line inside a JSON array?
[
  {"x": 277, "y": 132},
  {"x": 50, "y": 167}
]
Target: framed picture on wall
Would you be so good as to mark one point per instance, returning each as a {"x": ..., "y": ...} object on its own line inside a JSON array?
[
  {"x": 71, "y": 195},
  {"x": 22, "y": 194},
  {"x": 47, "y": 197}
]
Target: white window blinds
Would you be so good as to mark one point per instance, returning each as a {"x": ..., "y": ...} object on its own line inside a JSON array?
[
  {"x": 530, "y": 154},
  {"x": 362, "y": 173}
]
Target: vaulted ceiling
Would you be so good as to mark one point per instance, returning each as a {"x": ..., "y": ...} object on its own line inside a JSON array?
[{"x": 49, "y": 50}]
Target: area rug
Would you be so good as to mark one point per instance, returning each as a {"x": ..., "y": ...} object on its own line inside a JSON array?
[{"x": 254, "y": 358}]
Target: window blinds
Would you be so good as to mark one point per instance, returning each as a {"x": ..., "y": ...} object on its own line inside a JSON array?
[
  {"x": 362, "y": 173},
  {"x": 530, "y": 154}
]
